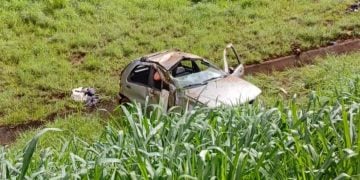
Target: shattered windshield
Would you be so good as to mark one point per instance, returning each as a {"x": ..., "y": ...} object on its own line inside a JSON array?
[{"x": 190, "y": 73}]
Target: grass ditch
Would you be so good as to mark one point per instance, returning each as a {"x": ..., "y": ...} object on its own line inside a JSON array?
[
  {"x": 304, "y": 57},
  {"x": 102, "y": 112},
  {"x": 325, "y": 76},
  {"x": 8, "y": 134}
]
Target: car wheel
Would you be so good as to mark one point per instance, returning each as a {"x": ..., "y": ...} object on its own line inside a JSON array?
[
  {"x": 252, "y": 102},
  {"x": 123, "y": 99}
]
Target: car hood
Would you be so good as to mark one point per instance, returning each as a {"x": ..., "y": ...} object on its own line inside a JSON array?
[{"x": 230, "y": 90}]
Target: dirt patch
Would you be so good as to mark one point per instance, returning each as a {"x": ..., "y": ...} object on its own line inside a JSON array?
[
  {"x": 105, "y": 108},
  {"x": 19, "y": 95},
  {"x": 301, "y": 58},
  {"x": 59, "y": 95},
  {"x": 55, "y": 96},
  {"x": 8, "y": 134},
  {"x": 77, "y": 57}
]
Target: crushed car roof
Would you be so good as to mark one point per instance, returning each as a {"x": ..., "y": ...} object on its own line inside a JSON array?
[{"x": 169, "y": 58}]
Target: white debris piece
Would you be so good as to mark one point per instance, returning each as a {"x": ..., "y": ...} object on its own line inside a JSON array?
[
  {"x": 78, "y": 94},
  {"x": 86, "y": 95}
]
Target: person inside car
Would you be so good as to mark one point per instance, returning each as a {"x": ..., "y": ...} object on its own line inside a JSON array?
[{"x": 158, "y": 82}]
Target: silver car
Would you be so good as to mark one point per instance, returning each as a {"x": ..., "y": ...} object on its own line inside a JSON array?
[{"x": 174, "y": 78}]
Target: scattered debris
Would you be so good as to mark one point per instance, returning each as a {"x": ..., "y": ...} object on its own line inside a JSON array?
[
  {"x": 349, "y": 33},
  {"x": 78, "y": 94},
  {"x": 92, "y": 99},
  {"x": 332, "y": 43},
  {"x": 354, "y": 7},
  {"x": 283, "y": 90},
  {"x": 86, "y": 95}
]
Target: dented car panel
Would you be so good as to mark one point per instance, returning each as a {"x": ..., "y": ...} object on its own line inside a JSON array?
[
  {"x": 174, "y": 78},
  {"x": 168, "y": 59},
  {"x": 226, "y": 91}
]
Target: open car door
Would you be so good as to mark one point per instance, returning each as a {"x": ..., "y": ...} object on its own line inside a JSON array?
[
  {"x": 239, "y": 70},
  {"x": 159, "y": 91}
]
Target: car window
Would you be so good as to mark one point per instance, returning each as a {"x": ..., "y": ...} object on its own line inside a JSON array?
[
  {"x": 201, "y": 65},
  {"x": 185, "y": 67},
  {"x": 186, "y": 64},
  {"x": 199, "y": 73},
  {"x": 140, "y": 74}
]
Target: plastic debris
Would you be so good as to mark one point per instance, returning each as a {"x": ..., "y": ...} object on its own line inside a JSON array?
[
  {"x": 91, "y": 101},
  {"x": 86, "y": 95},
  {"x": 354, "y": 7},
  {"x": 78, "y": 94},
  {"x": 331, "y": 43}
]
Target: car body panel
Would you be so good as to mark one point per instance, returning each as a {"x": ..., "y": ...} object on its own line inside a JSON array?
[
  {"x": 230, "y": 90},
  {"x": 168, "y": 59},
  {"x": 132, "y": 90}
]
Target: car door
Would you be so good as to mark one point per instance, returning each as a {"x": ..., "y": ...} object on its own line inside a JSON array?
[
  {"x": 239, "y": 70},
  {"x": 138, "y": 83},
  {"x": 158, "y": 91}
]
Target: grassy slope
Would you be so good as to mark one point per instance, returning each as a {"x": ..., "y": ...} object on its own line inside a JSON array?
[
  {"x": 87, "y": 128},
  {"x": 39, "y": 40},
  {"x": 325, "y": 77}
]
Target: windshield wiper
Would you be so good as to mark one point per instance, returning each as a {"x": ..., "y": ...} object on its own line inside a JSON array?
[
  {"x": 196, "y": 84},
  {"x": 215, "y": 78}
]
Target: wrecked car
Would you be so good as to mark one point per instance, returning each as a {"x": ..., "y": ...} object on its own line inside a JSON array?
[{"x": 174, "y": 78}]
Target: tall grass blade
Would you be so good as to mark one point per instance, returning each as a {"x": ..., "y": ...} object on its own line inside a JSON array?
[{"x": 30, "y": 149}]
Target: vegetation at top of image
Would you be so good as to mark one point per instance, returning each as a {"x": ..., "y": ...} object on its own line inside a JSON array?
[
  {"x": 49, "y": 47},
  {"x": 320, "y": 140}
]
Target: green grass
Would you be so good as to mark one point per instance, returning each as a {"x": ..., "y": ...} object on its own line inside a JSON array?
[
  {"x": 319, "y": 141},
  {"x": 299, "y": 82},
  {"x": 49, "y": 47},
  {"x": 40, "y": 41},
  {"x": 315, "y": 135},
  {"x": 89, "y": 128},
  {"x": 326, "y": 76}
]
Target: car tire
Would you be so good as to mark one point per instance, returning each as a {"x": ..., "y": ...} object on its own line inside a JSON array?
[{"x": 123, "y": 99}]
